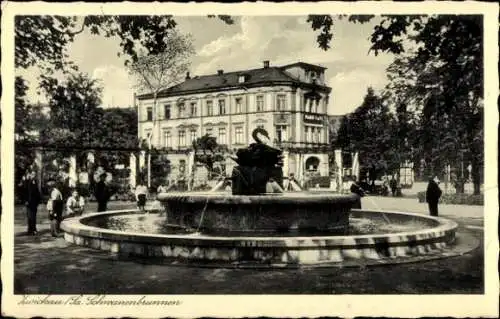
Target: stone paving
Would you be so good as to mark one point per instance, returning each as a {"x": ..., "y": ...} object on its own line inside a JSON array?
[{"x": 45, "y": 265}]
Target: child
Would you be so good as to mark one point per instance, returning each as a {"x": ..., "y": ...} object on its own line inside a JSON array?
[
  {"x": 75, "y": 204},
  {"x": 55, "y": 208}
]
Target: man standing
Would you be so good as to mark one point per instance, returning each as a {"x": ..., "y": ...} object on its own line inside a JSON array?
[
  {"x": 432, "y": 195},
  {"x": 393, "y": 183},
  {"x": 102, "y": 193},
  {"x": 32, "y": 199}
]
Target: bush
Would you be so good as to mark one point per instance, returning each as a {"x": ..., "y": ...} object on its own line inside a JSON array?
[{"x": 457, "y": 199}]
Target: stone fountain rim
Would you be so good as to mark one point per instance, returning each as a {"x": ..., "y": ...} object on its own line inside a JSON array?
[
  {"x": 296, "y": 198},
  {"x": 75, "y": 226}
]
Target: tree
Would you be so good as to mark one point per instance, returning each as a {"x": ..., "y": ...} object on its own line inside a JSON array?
[
  {"x": 443, "y": 65},
  {"x": 160, "y": 71},
  {"x": 74, "y": 113},
  {"x": 207, "y": 152},
  {"x": 366, "y": 131},
  {"x": 29, "y": 119},
  {"x": 116, "y": 133}
]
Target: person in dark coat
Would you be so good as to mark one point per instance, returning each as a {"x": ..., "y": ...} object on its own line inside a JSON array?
[
  {"x": 393, "y": 183},
  {"x": 32, "y": 199},
  {"x": 360, "y": 192},
  {"x": 432, "y": 196},
  {"x": 102, "y": 193}
]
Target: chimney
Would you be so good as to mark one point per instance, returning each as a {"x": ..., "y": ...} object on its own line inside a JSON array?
[
  {"x": 266, "y": 64},
  {"x": 188, "y": 76},
  {"x": 220, "y": 72}
]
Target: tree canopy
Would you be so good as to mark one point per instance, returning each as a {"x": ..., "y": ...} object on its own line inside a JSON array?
[
  {"x": 438, "y": 76},
  {"x": 368, "y": 131}
]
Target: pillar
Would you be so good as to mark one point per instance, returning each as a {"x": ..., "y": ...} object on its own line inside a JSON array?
[
  {"x": 190, "y": 170},
  {"x": 338, "y": 162},
  {"x": 133, "y": 170},
  {"x": 300, "y": 168},
  {"x": 324, "y": 164},
  {"x": 286, "y": 170},
  {"x": 73, "y": 178},
  {"x": 355, "y": 165},
  {"x": 142, "y": 159}
]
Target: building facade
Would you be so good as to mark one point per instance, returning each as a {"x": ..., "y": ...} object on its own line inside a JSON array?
[{"x": 290, "y": 102}]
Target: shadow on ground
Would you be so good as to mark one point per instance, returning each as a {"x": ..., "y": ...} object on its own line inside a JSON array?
[{"x": 46, "y": 265}]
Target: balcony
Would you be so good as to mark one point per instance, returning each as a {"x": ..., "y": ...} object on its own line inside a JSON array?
[{"x": 303, "y": 146}]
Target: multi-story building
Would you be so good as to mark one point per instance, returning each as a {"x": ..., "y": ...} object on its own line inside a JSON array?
[{"x": 290, "y": 102}]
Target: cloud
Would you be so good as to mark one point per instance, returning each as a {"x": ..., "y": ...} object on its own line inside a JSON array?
[
  {"x": 118, "y": 87},
  {"x": 288, "y": 39},
  {"x": 349, "y": 88}
]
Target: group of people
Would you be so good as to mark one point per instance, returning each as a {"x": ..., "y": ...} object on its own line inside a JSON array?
[
  {"x": 75, "y": 205},
  {"x": 57, "y": 205}
]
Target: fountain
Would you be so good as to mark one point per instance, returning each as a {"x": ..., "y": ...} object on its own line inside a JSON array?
[{"x": 260, "y": 225}]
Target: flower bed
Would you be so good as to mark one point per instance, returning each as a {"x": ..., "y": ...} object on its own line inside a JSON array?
[{"x": 457, "y": 199}]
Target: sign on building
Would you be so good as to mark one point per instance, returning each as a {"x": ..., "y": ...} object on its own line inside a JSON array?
[{"x": 313, "y": 119}]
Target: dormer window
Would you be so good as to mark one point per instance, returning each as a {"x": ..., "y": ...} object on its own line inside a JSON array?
[{"x": 241, "y": 78}]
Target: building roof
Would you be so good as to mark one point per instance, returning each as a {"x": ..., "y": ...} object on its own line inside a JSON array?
[
  {"x": 307, "y": 65},
  {"x": 216, "y": 82}
]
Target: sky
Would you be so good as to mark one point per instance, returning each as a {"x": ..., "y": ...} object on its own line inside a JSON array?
[{"x": 351, "y": 69}]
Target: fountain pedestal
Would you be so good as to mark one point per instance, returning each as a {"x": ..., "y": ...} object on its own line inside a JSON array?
[{"x": 213, "y": 213}]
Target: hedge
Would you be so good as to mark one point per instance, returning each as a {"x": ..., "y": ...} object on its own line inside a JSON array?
[{"x": 457, "y": 199}]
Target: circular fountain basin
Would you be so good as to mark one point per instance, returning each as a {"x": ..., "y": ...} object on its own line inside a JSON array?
[
  {"x": 431, "y": 236},
  {"x": 225, "y": 214}
]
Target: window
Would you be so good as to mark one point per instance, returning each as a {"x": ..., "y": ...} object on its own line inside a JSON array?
[
  {"x": 210, "y": 108},
  {"x": 166, "y": 111},
  {"x": 222, "y": 135},
  {"x": 222, "y": 107},
  {"x": 194, "y": 109},
  {"x": 260, "y": 103},
  {"x": 193, "y": 135},
  {"x": 281, "y": 133},
  {"x": 316, "y": 135},
  {"x": 308, "y": 132},
  {"x": 238, "y": 105},
  {"x": 241, "y": 79},
  {"x": 149, "y": 113},
  {"x": 281, "y": 102},
  {"x": 182, "y": 138},
  {"x": 168, "y": 139},
  {"x": 209, "y": 131},
  {"x": 311, "y": 103},
  {"x": 182, "y": 109},
  {"x": 238, "y": 135}
]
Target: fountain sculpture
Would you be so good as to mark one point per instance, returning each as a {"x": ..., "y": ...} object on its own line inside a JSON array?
[{"x": 253, "y": 226}]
